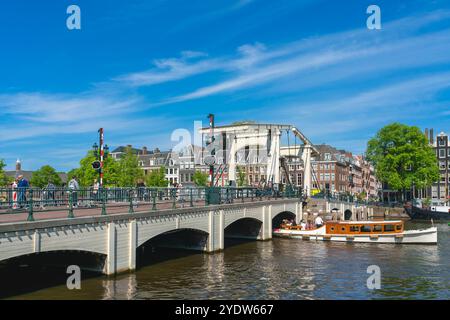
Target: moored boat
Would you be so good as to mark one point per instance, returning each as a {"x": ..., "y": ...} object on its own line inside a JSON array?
[
  {"x": 435, "y": 213},
  {"x": 361, "y": 231}
]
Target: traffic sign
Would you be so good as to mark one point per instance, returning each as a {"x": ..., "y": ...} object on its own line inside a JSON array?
[{"x": 96, "y": 165}]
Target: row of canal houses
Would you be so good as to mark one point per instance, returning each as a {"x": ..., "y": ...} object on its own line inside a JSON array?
[{"x": 336, "y": 171}]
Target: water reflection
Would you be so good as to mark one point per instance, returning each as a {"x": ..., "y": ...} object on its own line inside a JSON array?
[
  {"x": 280, "y": 269},
  {"x": 122, "y": 288}
]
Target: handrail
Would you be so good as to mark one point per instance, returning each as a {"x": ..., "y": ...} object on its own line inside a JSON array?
[{"x": 36, "y": 200}]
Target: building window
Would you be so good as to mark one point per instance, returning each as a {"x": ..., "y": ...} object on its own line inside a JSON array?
[
  {"x": 442, "y": 165},
  {"x": 441, "y": 153},
  {"x": 442, "y": 143},
  {"x": 327, "y": 156}
]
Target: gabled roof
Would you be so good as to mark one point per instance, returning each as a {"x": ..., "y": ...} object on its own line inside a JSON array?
[{"x": 124, "y": 149}]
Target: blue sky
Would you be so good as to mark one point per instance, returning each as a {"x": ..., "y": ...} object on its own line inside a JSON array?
[{"x": 142, "y": 69}]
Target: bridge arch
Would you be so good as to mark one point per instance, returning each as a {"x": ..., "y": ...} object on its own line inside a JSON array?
[
  {"x": 187, "y": 238},
  {"x": 86, "y": 260},
  {"x": 149, "y": 229},
  {"x": 244, "y": 228},
  {"x": 279, "y": 217},
  {"x": 36, "y": 271},
  {"x": 229, "y": 222}
]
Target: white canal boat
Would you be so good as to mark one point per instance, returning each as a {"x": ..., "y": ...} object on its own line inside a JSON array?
[{"x": 361, "y": 231}]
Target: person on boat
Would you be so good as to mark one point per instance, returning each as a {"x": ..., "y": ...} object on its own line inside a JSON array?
[
  {"x": 319, "y": 222},
  {"x": 303, "y": 224}
]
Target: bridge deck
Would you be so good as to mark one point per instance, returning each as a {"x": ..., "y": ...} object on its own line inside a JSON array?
[{"x": 20, "y": 217}]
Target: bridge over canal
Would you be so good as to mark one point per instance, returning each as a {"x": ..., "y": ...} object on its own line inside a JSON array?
[
  {"x": 117, "y": 236},
  {"x": 114, "y": 233}
]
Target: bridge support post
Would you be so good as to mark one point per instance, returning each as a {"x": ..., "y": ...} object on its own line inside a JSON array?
[
  {"x": 266, "y": 228},
  {"x": 298, "y": 212},
  {"x": 133, "y": 245},
  {"x": 37, "y": 241},
  {"x": 216, "y": 231},
  {"x": 111, "y": 247},
  {"x": 121, "y": 247}
]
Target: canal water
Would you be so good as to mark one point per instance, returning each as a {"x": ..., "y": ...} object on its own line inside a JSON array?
[{"x": 277, "y": 269}]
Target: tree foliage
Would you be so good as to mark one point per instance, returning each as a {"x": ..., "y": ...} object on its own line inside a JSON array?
[
  {"x": 122, "y": 173},
  {"x": 200, "y": 178},
  {"x": 402, "y": 157},
  {"x": 86, "y": 174},
  {"x": 129, "y": 171},
  {"x": 157, "y": 178},
  {"x": 45, "y": 175},
  {"x": 241, "y": 177},
  {"x": 4, "y": 179}
]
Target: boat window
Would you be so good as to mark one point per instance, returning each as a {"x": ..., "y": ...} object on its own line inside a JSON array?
[
  {"x": 366, "y": 229},
  {"x": 331, "y": 228},
  {"x": 377, "y": 228},
  {"x": 389, "y": 228},
  {"x": 398, "y": 227},
  {"x": 354, "y": 228},
  {"x": 343, "y": 229}
]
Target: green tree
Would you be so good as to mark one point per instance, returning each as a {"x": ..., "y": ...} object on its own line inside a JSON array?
[
  {"x": 86, "y": 174},
  {"x": 45, "y": 175},
  {"x": 362, "y": 196},
  {"x": 157, "y": 178},
  {"x": 129, "y": 171},
  {"x": 200, "y": 178},
  {"x": 4, "y": 179},
  {"x": 402, "y": 157},
  {"x": 242, "y": 179}
]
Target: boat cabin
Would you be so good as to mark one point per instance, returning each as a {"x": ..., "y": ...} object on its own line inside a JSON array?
[
  {"x": 356, "y": 227},
  {"x": 363, "y": 227}
]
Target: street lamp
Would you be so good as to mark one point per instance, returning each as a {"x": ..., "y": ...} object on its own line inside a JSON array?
[
  {"x": 106, "y": 151},
  {"x": 95, "y": 148},
  {"x": 99, "y": 151}
]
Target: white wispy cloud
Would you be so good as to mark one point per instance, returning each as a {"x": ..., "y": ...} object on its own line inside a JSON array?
[
  {"x": 63, "y": 108},
  {"x": 305, "y": 59},
  {"x": 343, "y": 60}
]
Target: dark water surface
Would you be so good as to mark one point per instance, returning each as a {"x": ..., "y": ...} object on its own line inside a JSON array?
[{"x": 277, "y": 269}]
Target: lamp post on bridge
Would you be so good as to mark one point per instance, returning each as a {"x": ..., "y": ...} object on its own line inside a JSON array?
[
  {"x": 211, "y": 159},
  {"x": 100, "y": 156}
]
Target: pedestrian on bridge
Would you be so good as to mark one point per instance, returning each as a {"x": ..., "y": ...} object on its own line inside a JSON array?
[
  {"x": 22, "y": 185},
  {"x": 74, "y": 187},
  {"x": 50, "y": 190}
]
